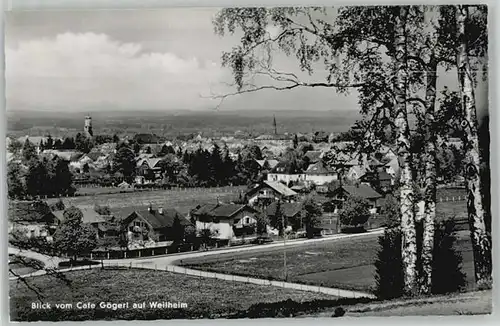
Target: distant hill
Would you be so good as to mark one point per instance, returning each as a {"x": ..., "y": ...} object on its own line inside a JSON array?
[{"x": 181, "y": 122}]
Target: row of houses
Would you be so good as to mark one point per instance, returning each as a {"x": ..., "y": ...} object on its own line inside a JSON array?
[{"x": 154, "y": 226}]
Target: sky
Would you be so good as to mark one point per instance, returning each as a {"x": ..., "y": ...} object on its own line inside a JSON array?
[{"x": 166, "y": 59}]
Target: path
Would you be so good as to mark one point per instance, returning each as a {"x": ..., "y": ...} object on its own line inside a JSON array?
[{"x": 167, "y": 263}]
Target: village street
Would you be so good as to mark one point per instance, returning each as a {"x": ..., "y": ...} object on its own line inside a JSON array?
[{"x": 168, "y": 263}]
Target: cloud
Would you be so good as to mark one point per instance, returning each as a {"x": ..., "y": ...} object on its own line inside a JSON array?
[{"x": 87, "y": 69}]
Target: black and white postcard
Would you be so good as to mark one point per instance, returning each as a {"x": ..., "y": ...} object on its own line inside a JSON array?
[{"x": 248, "y": 162}]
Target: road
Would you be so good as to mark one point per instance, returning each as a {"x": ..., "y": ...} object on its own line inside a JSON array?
[{"x": 168, "y": 263}]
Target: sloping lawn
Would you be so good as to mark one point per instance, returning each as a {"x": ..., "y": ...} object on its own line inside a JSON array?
[
  {"x": 205, "y": 298},
  {"x": 346, "y": 264}
]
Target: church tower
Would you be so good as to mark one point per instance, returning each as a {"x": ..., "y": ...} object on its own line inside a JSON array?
[{"x": 87, "y": 128}]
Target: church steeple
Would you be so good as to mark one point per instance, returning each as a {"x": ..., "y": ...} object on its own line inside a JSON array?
[{"x": 274, "y": 125}]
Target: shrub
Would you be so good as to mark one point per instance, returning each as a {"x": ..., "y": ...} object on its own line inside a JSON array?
[
  {"x": 391, "y": 211},
  {"x": 447, "y": 275},
  {"x": 355, "y": 212},
  {"x": 447, "y": 262}
]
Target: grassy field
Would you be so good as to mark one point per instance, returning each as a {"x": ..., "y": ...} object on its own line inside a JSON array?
[
  {"x": 346, "y": 264},
  {"x": 182, "y": 200},
  {"x": 206, "y": 298},
  {"x": 469, "y": 303}
]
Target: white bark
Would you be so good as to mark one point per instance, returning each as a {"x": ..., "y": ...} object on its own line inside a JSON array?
[
  {"x": 481, "y": 244},
  {"x": 430, "y": 179},
  {"x": 409, "y": 245}
]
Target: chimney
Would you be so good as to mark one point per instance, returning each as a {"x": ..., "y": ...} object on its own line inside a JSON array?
[
  {"x": 160, "y": 210},
  {"x": 150, "y": 208}
]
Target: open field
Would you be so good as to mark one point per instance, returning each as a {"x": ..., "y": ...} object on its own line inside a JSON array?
[
  {"x": 344, "y": 264},
  {"x": 182, "y": 200},
  {"x": 206, "y": 298}
]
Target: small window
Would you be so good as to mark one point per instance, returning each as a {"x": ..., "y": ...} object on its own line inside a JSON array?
[{"x": 247, "y": 220}]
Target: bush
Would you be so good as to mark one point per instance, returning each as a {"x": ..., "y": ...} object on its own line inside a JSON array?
[
  {"x": 391, "y": 211},
  {"x": 355, "y": 212},
  {"x": 447, "y": 276},
  {"x": 389, "y": 266}
]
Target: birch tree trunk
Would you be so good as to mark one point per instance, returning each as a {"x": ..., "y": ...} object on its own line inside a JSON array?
[
  {"x": 481, "y": 244},
  {"x": 409, "y": 244},
  {"x": 430, "y": 178}
]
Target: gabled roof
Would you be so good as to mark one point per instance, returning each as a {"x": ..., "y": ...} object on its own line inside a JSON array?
[
  {"x": 319, "y": 168},
  {"x": 94, "y": 155},
  {"x": 220, "y": 210},
  {"x": 288, "y": 209},
  {"x": 154, "y": 218},
  {"x": 378, "y": 175},
  {"x": 361, "y": 190},
  {"x": 285, "y": 167},
  {"x": 151, "y": 162},
  {"x": 276, "y": 186},
  {"x": 272, "y": 163},
  {"x": 71, "y": 156}
]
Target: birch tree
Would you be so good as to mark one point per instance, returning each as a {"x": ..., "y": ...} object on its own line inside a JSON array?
[{"x": 481, "y": 244}]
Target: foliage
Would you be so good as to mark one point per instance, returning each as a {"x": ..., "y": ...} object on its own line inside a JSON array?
[
  {"x": 46, "y": 178},
  {"x": 311, "y": 214},
  {"x": 206, "y": 236},
  {"x": 83, "y": 143},
  {"x": 178, "y": 230},
  {"x": 15, "y": 147},
  {"x": 262, "y": 223},
  {"x": 447, "y": 275},
  {"x": 124, "y": 162},
  {"x": 15, "y": 181},
  {"x": 59, "y": 205},
  {"x": 73, "y": 237},
  {"x": 391, "y": 211},
  {"x": 29, "y": 151},
  {"x": 102, "y": 210},
  {"x": 389, "y": 266},
  {"x": 355, "y": 211},
  {"x": 278, "y": 220}
]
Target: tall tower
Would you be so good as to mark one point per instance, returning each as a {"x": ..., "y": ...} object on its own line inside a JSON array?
[
  {"x": 87, "y": 128},
  {"x": 274, "y": 125}
]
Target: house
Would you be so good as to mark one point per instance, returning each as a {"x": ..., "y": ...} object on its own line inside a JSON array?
[
  {"x": 340, "y": 194},
  {"x": 227, "y": 221},
  {"x": 379, "y": 179},
  {"x": 392, "y": 166},
  {"x": 268, "y": 191},
  {"x": 150, "y": 225},
  {"x": 31, "y": 219},
  {"x": 71, "y": 156},
  {"x": 285, "y": 172},
  {"x": 319, "y": 174},
  {"x": 100, "y": 223},
  {"x": 292, "y": 211},
  {"x": 150, "y": 168}
]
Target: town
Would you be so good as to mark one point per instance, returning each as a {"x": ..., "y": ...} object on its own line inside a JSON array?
[{"x": 263, "y": 178}]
